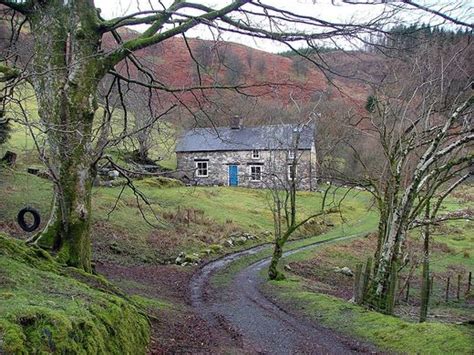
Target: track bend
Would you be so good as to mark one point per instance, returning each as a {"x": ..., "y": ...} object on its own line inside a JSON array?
[{"x": 261, "y": 326}]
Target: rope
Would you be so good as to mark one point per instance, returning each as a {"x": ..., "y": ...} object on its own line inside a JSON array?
[{"x": 28, "y": 182}]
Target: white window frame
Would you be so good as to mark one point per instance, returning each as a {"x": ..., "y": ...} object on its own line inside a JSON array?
[
  {"x": 289, "y": 171},
  {"x": 260, "y": 174},
  {"x": 197, "y": 168},
  {"x": 255, "y": 154},
  {"x": 291, "y": 154}
]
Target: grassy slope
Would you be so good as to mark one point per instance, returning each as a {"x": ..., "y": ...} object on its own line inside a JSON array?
[
  {"x": 133, "y": 241},
  {"x": 45, "y": 307},
  {"x": 452, "y": 252},
  {"x": 363, "y": 222},
  {"x": 21, "y": 141},
  {"x": 247, "y": 208},
  {"x": 386, "y": 332}
]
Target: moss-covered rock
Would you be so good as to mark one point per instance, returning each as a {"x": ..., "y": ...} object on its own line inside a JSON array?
[
  {"x": 161, "y": 182},
  {"x": 47, "y": 307},
  {"x": 215, "y": 248}
]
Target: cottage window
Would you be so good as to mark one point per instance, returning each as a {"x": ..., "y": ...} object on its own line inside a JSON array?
[
  {"x": 255, "y": 173},
  {"x": 291, "y": 176},
  {"x": 255, "y": 154},
  {"x": 291, "y": 154},
  {"x": 202, "y": 169}
]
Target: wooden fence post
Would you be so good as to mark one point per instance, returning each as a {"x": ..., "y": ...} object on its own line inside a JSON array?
[
  {"x": 366, "y": 279},
  {"x": 357, "y": 283},
  {"x": 469, "y": 280},
  {"x": 447, "y": 290},
  {"x": 408, "y": 291},
  {"x": 459, "y": 287}
]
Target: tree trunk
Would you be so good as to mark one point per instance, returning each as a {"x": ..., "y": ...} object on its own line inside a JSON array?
[
  {"x": 68, "y": 231},
  {"x": 273, "y": 272},
  {"x": 143, "y": 154},
  {"x": 381, "y": 292},
  {"x": 143, "y": 139},
  {"x": 67, "y": 70},
  {"x": 69, "y": 227},
  {"x": 425, "y": 282}
]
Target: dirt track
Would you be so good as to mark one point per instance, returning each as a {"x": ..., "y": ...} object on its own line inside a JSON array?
[{"x": 260, "y": 325}]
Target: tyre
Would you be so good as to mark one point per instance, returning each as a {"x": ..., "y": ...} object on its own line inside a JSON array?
[{"x": 24, "y": 224}]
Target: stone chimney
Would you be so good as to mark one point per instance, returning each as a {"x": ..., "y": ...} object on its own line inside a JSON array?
[
  {"x": 236, "y": 122},
  {"x": 295, "y": 137}
]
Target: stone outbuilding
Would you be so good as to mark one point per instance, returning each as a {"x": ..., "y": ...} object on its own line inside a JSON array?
[{"x": 255, "y": 157}]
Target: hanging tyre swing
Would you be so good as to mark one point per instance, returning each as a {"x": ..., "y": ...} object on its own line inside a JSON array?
[
  {"x": 28, "y": 217},
  {"x": 22, "y": 221}
]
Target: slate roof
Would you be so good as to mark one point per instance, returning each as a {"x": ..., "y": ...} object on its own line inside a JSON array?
[{"x": 273, "y": 137}]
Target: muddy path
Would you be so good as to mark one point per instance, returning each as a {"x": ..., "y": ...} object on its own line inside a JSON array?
[{"x": 256, "y": 323}]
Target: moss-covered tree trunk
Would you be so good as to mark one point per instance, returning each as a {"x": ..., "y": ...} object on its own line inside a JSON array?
[
  {"x": 273, "y": 272},
  {"x": 65, "y": 70},
  {"x": 391, "y": 230},
  {"x": 65, "y": 78},
  {"x": 381, "y": 293}
]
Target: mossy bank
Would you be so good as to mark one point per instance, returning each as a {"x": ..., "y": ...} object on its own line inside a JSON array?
[
  {"x": 388, "y": 333},
  {"x": 49, "y": 308}
]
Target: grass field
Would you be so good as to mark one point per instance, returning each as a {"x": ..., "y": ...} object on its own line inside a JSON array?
[
  {"x": 21, "y": 141},
  {"x": 216, "y": 212}
]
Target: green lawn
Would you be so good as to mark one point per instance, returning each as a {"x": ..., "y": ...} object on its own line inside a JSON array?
[{"x": 248, "y": 208}]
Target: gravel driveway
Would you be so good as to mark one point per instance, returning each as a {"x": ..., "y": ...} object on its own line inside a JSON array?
[{"x": 259, "y": 324}]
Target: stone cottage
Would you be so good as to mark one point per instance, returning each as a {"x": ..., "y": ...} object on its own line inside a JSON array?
[{"x": 256, "y": 157}]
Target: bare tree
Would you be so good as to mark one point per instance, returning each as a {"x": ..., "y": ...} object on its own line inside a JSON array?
[
  {"x": 283, "y": 188},
  {"x": 289, "y": 168},
  {"x": 419, "y": 124}
]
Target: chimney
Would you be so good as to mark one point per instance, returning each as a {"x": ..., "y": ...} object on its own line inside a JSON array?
[
  {"x": 236, "y": 122},
  {"x": 295, "y": 137}
]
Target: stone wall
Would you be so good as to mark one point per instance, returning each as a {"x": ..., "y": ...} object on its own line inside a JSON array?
[{"x": 274, "y": 166}]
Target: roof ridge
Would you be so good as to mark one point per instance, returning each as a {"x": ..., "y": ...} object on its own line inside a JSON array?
[{"x": 229, "y": 127}]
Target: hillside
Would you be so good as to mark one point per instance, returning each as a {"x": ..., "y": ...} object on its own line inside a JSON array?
[
  {"x": 229, "y": 63},
  {"x": 269, "y": 83}
]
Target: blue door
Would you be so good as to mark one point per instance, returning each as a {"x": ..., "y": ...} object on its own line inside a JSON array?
[{"x": 233, "y": 175}]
